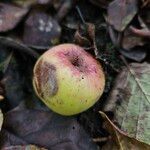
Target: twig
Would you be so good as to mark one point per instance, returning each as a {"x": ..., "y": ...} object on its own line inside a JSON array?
[{"x": 80, "y": 15}]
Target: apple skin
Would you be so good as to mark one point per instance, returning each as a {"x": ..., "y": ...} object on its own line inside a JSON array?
[{"x": 68, "y": 79}]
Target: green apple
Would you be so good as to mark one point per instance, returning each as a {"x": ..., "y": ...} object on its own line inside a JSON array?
[{"x": 68, "y": 79}]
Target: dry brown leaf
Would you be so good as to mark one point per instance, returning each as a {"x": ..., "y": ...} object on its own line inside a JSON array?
[
  {"x": 87, "y": 39},
  {"x": 130, "y": 40},
  {"x": 41, "y": 30},
  {"x": 121, "y": 12},
  {"x": 45, "y": 128},
  {"x": 10, "y": 16}
]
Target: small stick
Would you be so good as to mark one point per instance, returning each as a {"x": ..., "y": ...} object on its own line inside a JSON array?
[{"x": 80, "y": 15}]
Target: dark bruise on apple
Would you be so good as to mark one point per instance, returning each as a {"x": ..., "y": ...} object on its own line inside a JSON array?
[
  {"x": 49, "y": 82},
  {"x": 68, "y": 79}
]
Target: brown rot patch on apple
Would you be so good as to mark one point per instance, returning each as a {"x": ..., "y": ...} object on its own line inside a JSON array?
[
  {"x": 45, "y": 82},
  {"x": 50, "y": 78},
  {"x": 37, "y": 79}
]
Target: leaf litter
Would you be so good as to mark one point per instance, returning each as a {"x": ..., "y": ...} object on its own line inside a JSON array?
[
  {"x": 129, "y": 28},
  {"x": 127, "y": 24}
]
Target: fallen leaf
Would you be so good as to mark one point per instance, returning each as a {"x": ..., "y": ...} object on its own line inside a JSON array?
[
  {"x": 130, "y": 40},
  {"x": 63, "y": 7},
  {"x": 137, "y": 53},
  {"x": 13, "y": 84},
  {"x": 10, "y": 16},
  {"x": 145, "y": 3},
  {"x": 129, "y": 43},
  {"x": 120, "y": 140},
  {"x": 85, "y": 37},
  {"x": 16, "y": 45},
  {"x": 27, "y": 147},
  {"x": 24, "y": 3},
  {"x": 121, "y": 12},
  {"x": 43, "y": 128},
  {"x": 41, "y": 30},
  {"x": 130, "y": 101},
  {"x": 101, "y": 3},
  {"x": 80, "y": 39},
  {"x": 1, "y": 119},
  {"x": 28, "y": 3},
  {"x": 4, "y": 65},
  {"x": 91, "y": 31},
  {"x": 16, "y": 76},
  {"x": 144, "y": 32}
]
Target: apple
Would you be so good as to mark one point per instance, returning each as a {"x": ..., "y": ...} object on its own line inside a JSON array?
[{"x": 68, "y": 79}]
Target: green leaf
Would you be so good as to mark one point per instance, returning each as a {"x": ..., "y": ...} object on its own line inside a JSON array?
[{"x": 130, "y": 101}]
